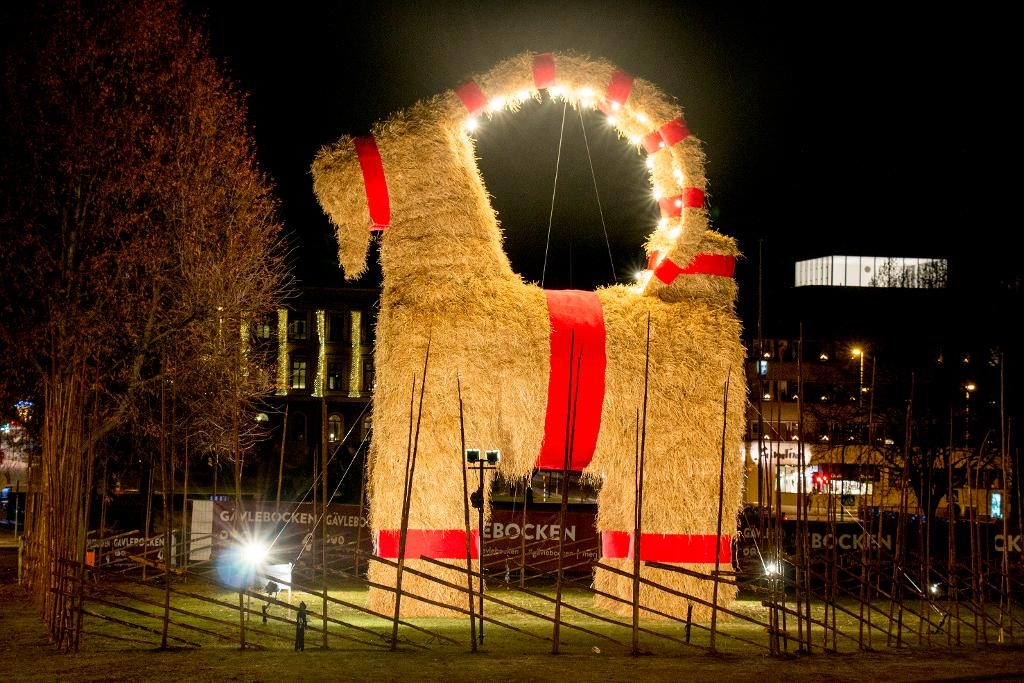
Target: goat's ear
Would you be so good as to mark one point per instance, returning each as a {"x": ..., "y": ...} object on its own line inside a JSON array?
[{"x": 338, "y": 186}]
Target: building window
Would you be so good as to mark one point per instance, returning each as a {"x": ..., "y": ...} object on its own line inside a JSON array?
[
  {"x": 335, "y": 428},
  {"x": 298, "y": 326},
  {"x": 753, "y": 430},
  {"x": 262, "y": 330},
  {"x": 367, "y": 375},
  {"x": 365, "y": 328},
  {"x": 787, "y": 391},
  {"x": 297, "y": 427},
  {"x": 364, "y": 428},
  {"x": 298, "y": 374},
  {"x": 339, "y": 328},
  {"x": 337, "y": 375}
]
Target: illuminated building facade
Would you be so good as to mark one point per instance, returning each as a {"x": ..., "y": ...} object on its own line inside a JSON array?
[{"x": 851, "y": 334}]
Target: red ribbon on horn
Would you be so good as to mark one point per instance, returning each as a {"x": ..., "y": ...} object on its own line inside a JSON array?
[
  {"x": 619, "y": 87},
  {"x": 674, "y": 131},
  {"x": 666, "y": 136},
  {"x": 473, "y": 98},
  {"x": 543, "y": 70},
  {"x": 374, "y": 181}
]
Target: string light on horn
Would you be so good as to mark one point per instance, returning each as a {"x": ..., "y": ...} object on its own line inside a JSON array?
[{"x": 648, "y": 134}]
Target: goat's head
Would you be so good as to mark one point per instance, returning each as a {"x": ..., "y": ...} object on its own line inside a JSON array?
[
  {"x": 361, "y": 193},
  {"x": 338, "y": 184},
  {"x": 394, "y": 174}
]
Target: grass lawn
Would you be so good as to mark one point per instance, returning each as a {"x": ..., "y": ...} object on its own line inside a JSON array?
[{"x": 122, "y": 639}]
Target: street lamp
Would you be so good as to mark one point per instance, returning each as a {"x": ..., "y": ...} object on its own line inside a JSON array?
[
  {"x": 477, "y": 498},
  {"x": 859, "y": 354},
  {"x": 968, "y": 388}
]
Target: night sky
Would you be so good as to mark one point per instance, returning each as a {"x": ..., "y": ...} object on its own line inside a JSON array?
[{"x": 845, "y": 129}]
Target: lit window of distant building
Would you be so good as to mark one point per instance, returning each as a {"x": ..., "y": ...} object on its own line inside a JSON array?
[
  {"x": 298, "y": 374},
  {"x": 335, "y": 428},
  {"x": 872, "y": 271},
  {"x": 337, "y": 374},
  {"x": 298, "y": 326}
]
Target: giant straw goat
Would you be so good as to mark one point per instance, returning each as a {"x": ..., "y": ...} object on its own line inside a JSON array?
[{"x": 616, "y": 383}]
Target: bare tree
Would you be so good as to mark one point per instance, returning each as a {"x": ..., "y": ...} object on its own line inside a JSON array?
[{"x": 139, "y": 237}]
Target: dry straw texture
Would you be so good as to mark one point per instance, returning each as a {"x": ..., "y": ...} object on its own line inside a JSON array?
[{"x": 449, "y": 288}]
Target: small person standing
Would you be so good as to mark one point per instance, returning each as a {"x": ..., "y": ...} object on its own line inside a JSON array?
[{"x": 300, "y": 628}]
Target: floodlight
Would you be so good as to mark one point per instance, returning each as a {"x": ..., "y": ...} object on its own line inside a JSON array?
[{"x": 254, "y": 553}]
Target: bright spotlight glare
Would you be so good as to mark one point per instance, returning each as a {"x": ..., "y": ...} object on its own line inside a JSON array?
[
  {"x": 254, "y": 553},
  {"x": 771, "y": 568}
]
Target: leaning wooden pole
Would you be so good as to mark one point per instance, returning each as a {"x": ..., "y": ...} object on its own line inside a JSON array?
[
  {"x": 639, "y": 495},
  {"x": 564, "y": 489},
  {"x": 721, "y": 505},
  {"x": 465, "y": 510},
  {"x": 87, "y": 511},
  {"x": 951, "y": 557},
  {"x": 280, "y": 462},
  {"x": 362, "y": 512},
  {"x": 803, "y": 586},
  {"x": 778, "y": 551},
  {"x": 164, "y": 480},
  {"x": 236, "y": 448},
  {"x": 896, "y": 604},
  {"x": 103, "y": 515},
  {"x": 527, "y": 487},
  {"x": 149, "y": 516},
  {"x": 1005, "y": 593},
  {"x": 635, "y": 593},
  {"x": 897, "y": 600},
  {"x": 410, "y": 470},
  {"x": 186, "y": 529},
  {"x": 404, "y": 523},
  {"x": 323, "y": 516},
  {"x": 974, "y": 561}
]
